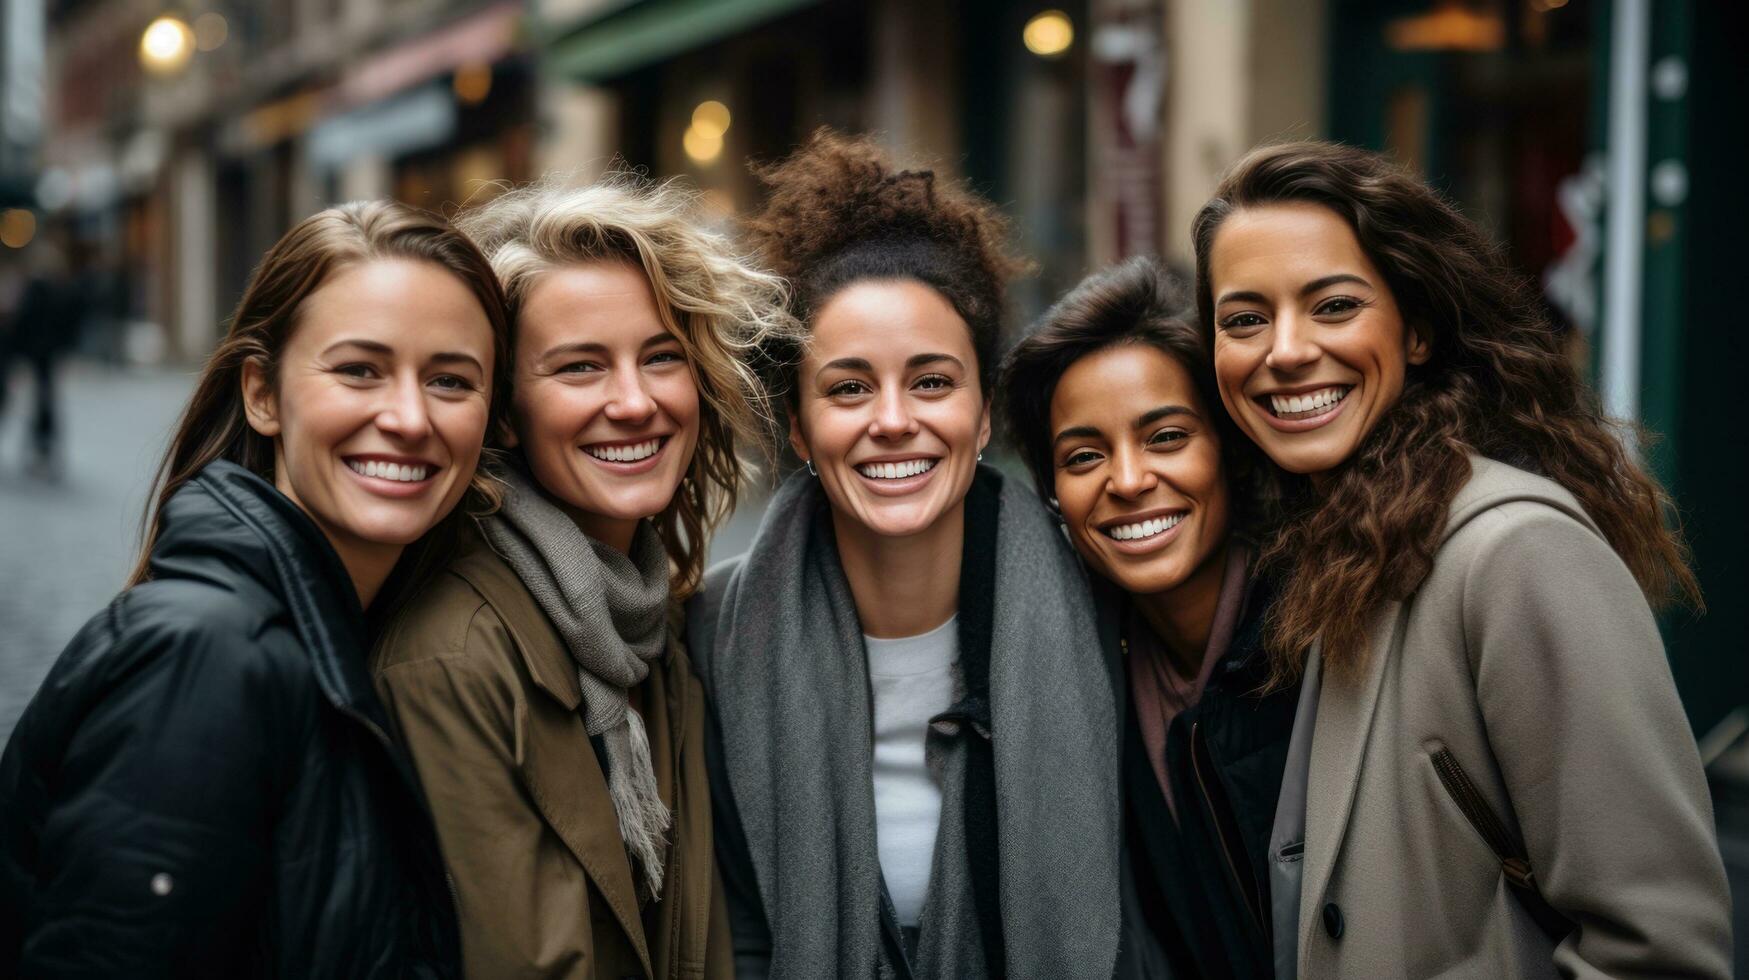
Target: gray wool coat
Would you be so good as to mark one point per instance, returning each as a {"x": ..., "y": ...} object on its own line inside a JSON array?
[{"x": 1530, "y": 655}]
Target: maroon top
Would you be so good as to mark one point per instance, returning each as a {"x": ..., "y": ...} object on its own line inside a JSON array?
[{"x": 1158, "y": 691}]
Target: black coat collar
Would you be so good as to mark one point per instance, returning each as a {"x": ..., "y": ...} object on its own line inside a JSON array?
[{"x": 231, "y": 528}]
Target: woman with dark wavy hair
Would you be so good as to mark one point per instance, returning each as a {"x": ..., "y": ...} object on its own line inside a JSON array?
[{"x": 1489, "y": 740}]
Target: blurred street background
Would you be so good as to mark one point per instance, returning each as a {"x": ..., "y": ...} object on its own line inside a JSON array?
[{"x": 151, "y": 150}]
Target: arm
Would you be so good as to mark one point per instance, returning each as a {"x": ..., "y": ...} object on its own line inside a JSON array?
[
  {"x": 1594, "y": 748},
  {"x": 158, "y": 814},
  {"x": 522, "y": 898}
]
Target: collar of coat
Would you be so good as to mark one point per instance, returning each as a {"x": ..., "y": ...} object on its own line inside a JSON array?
[{"x": 229, "y": 518}]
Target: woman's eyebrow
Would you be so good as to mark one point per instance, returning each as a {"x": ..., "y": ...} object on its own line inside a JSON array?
[
  {"x": 1327, "y": 281},
  {"x": 1076, "y": 432},
  {"x": 1156, "y": 414}
]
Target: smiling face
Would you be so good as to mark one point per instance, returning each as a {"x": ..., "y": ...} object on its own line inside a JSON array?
[
  {"x": 379, "y": 405},
  {"x": 606, "y": 406},
  {"x": 1310, "y": 346},
  {"x": 889, "y": 407},
  {"x": 1138, "y": 478}
]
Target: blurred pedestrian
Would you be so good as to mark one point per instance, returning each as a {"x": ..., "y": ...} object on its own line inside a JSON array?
[
  {"x": 204, "y": 785},
  {"x": 917, "y": 772},
  {"x": 1494, "y": 773},
  {"x": 540, "y": 682},
  {"x": 44, "y": 326}
]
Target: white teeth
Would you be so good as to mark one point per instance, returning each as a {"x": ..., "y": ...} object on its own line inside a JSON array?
[
  {"x": 1144, "y": 529},
  {"x": 625, "y": 454},
  {"x": 1311, "y": 401},
  {"x": 409, "y": 473},
  {"x": 896, "y": 471}
]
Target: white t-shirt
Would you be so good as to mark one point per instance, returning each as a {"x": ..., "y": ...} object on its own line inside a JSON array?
[{"x": 912, "y": 681}]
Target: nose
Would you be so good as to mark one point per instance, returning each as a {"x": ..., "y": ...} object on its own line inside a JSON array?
[
  {"x": 629, "y": 400},
  {"x": 1129, "y": 476},
  {"x": 892, "y": 418},
  {"x": 404, "y": 415},
  {"x": 1291, "y": 345}
]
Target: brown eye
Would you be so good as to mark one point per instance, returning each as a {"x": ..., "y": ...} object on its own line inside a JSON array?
[{"x": 1241, "y": 322}]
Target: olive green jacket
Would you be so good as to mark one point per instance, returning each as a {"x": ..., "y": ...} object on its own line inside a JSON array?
[{"x": 485, "y": 696}]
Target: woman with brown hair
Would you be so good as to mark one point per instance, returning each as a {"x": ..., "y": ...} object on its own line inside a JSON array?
[
  {"x": 539, "y": 682},
  {"x": 204, "y": 785},
  {"x": 916, "y": 770},
  {"x": 1490, "y": 766}
]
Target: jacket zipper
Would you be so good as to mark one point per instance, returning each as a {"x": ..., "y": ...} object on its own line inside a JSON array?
[
  {"x": 1513, "y": 861},
  {"x": 1199, "y": 749}
]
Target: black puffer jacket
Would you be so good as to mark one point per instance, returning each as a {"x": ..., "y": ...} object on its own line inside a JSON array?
[{"x": 203, "y": 786}]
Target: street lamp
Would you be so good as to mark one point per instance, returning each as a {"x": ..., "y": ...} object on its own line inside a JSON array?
[
  {"x": 1048, "y": 34},
  {"x": 166, "y": 45}
]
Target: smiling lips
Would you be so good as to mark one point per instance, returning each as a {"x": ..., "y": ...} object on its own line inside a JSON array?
[
  {"x": 898, "y": 470},
  {"x": 625, "y": 452},
  {"x": 385, "y": 470}
]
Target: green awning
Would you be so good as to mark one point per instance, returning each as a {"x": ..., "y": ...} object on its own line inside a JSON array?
[{"x": 652, "y": 30}]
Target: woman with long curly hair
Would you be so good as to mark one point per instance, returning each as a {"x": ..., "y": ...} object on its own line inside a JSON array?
[
  {"x": 917, "y": 767},
  {"x": 539, "y": 682},
  {"x": 1490, "y": 768}
]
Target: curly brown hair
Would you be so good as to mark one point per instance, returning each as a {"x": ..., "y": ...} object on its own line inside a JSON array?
[
  {"x": 840, "y": 212},
  {"x": 1496, "y": 384}
]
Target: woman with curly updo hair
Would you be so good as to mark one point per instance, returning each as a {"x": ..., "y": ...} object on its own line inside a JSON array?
[
  {"x": 917, "y": 768},
  {"x": 539, "y": 683},
  {"x": 1490, "y": 773}
]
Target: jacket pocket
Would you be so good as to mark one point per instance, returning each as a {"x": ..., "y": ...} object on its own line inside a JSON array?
[{"x": 1513, "y": 857}]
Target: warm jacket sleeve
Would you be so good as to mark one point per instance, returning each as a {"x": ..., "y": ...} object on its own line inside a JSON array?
[
  {"x": 1595, "y": 749},
  {"x": 523, "y": 900},
  {"x": 159, "y": 809}
]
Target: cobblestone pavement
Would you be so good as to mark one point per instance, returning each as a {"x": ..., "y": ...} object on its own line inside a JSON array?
[{"x": 67, "y": 544}]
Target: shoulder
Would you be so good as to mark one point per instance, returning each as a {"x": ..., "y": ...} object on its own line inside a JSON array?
[
  {"x": 233, "y": 633},
  {"x": 1504, "y": 492},
  {"x": 438, "y": 622}
]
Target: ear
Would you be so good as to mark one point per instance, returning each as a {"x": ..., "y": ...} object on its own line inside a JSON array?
[
  {"x": 796, "y": 442},
  {"x": 984, "y": 428},
  {"x": 1419, "y": 347},
  {"x": 260, "y": 404}
]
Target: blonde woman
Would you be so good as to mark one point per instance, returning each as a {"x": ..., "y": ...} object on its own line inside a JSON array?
[{"x": 552, "y": 717}]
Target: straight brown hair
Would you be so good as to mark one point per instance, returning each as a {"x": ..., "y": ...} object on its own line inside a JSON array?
[{"x": 214, "y": 427}]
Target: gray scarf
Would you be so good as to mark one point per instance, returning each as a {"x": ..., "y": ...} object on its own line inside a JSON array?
[
  {"x": 611, "y": 609},
  {"x": 788, "y": 676}
]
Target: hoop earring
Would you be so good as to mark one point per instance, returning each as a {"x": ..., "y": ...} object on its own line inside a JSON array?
[{"x": 810, "y": 465}]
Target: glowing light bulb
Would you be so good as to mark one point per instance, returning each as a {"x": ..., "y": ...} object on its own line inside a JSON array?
[
  {"x": 1048, "y": 34},
  {"x": 166, "y": 45}
]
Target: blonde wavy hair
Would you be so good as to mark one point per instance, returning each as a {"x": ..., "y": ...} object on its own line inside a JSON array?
[{"x": 722, "y": 308}]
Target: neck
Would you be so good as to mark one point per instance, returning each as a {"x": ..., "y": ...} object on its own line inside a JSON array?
[
  {"x": 903, "y": 586},
  {"x": 1182, "y": 616},
  {"x": 368, "y": 565},
  {"x": 615, "y": 532}
]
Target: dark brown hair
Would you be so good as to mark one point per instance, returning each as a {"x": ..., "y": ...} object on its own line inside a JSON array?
[
  {"x": 214, "y": 427},
  {"x": 1496, "y": 384},
  {"x": 1135, "y": 302},
  {"x": 840, "y": 212}
]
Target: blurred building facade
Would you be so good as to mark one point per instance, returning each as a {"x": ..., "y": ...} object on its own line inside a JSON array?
[{"x": 1585, "y": 134}]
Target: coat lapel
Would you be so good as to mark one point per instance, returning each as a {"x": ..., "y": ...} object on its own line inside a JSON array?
[
  {"x": 1346, "y": 707},
  {"x": 569, "y": 787}
]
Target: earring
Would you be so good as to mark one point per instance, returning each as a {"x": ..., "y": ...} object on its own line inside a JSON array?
[
  {"x": 980, "y": 457},
  {"x": 810, "y": 465}
]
